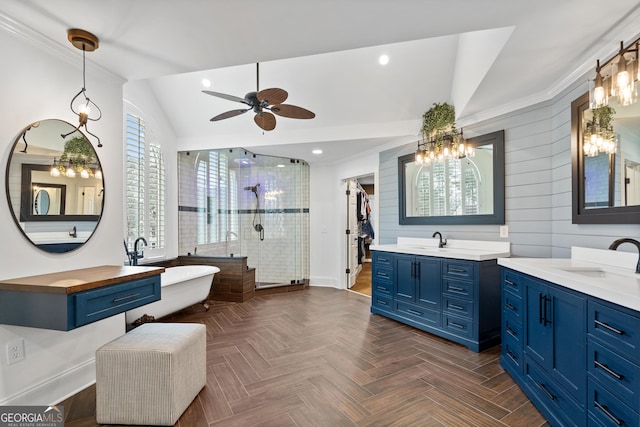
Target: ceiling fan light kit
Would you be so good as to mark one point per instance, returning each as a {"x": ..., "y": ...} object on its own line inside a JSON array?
[{"x": 263, "y": 103}]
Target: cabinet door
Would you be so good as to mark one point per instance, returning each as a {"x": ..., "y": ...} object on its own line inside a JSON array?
[
  {"x": 537, "y": 328},
  {"x": 568, "y": 322},
  {"x": 405, "y": 278},
  {"x": 428, "y": 276}
]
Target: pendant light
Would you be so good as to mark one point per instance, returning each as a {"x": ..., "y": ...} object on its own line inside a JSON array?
[{"x": 83, "y": 106}]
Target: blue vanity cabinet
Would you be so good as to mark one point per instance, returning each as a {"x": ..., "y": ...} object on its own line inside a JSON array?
[
  {"x": 546, "y": 352},
  {"x": 70, "y": 299},
  {"x": 452, "y": 298}
]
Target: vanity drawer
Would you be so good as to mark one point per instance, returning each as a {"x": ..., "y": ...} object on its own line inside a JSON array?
[
  {"x": 513, "y": 305},
  {"x": 615, "y": 372},
  {"x": 382, "y": 259},
  {"x": 459, "y": 326},
  {"x": 459, "y": 288},
  {"x": 607, "y": 409},
  {"x": 100, "y": 303},
  {"x": 512, "y": 282},
  {"x": 615, "y": 328},
  {"x": 512, "y": 327},
  {"x": 422, "y": 315},
  {"x": 512, "y": 352},
  {"x": 381, "y": 301},
  {"x": 458, "y": 306},
  {"x": 458, "y": 269},
  {"x": 382, "y": 287},
  {"x": 381, "y": 273}
]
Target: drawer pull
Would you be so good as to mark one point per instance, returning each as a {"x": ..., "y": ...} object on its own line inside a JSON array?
[
  {"x": 547, "y": 392},
  {"x": 417, "y": 313},
  {"x": 456, "y": 288},
  {"x": 126, "y": 298},
  {"x": 380, "y": 259},
  {"x": 511, "y": 331},
  {"x": 607, "y": 370},
  {"x": 609, "y": 327},
  {"x": 510, "y": 283},
  {"x": 456, "y": 307},
  {"x": 510, "y": 307},
  {"x": 457, "y": 270},
  {"x": 381, "y": 274},
  {"x": 382, "y": 302},
  {"x": 456, "y": 325},
  {"x": 512, "y": 355},
  {"x": 607, "y": 413},
  {"x": 382, "y": 288}
]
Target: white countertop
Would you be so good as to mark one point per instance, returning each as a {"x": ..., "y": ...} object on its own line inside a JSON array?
[
  {"x": 605, "y": 274},
  {"x": 44, "y": 238},
  {"x": 472, "y": 250}
]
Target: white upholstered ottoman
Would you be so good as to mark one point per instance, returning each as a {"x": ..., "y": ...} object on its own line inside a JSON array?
[{"x": 150, "y": 375}]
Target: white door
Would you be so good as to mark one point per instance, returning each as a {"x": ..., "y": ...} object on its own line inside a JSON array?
[
  {"x": 86, "y": 200},
  {"x": 352, "y": 233}
]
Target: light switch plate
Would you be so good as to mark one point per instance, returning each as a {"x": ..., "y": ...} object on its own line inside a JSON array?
[{"x": 504, "y": 231}]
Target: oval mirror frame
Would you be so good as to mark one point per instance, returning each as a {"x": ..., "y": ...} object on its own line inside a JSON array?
[{"x": 69, "y": 171}]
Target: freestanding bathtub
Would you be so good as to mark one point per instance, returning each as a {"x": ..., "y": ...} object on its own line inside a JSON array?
[{"x": 180, "y": 287}]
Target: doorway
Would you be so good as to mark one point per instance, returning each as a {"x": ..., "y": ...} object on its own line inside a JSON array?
[{"x": 360, "y": 233}]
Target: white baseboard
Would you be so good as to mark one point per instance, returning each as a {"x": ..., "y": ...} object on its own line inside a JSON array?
[
  {"x": 327, "y": 282},
  {"x": 57, "y": 388}
]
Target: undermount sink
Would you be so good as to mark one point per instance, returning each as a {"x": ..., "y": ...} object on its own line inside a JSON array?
[{"x": 593, "y": 272}]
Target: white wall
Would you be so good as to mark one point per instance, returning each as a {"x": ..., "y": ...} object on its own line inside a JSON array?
[{"x": 38, "y": 83}]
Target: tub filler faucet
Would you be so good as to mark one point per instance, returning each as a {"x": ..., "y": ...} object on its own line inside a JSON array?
[{"x": 135, "y": 255}]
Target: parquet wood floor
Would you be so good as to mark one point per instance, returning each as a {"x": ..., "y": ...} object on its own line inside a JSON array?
[{"x": 317, "y": 357}]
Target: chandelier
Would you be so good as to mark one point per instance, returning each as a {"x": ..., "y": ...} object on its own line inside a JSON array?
[
  {"x": 599, "y": 137},
  {"x": 440, "y": 139},
  {"x": 617, "y": 78}
]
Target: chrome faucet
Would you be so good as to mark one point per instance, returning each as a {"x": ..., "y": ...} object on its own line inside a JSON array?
[
  {"x": 618, "y": 242},
  {"x": 74, "y": 233},
  {"x": 441, "y": 243}
]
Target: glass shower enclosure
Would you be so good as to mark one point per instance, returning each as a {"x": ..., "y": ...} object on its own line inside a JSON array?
[{"x": 232, "y": 202}]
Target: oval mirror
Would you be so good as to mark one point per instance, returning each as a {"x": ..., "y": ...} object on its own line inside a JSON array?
[{"x": 54, "y": 185}]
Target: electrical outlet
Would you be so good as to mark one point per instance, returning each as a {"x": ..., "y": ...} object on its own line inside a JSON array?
[
  {"x": 504, "y": 231},
  {"x": 15, "y": 351}
]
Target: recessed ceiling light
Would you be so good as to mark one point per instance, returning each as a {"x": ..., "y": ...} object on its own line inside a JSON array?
[
  {"x": 383, "y": 60},
  {"x": 280, "y": 166},
  {"x": 317, "y": 151},
  {"x": 206, "y": 83}
]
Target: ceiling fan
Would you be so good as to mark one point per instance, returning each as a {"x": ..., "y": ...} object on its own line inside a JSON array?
[{"x": 263, "y": 103}]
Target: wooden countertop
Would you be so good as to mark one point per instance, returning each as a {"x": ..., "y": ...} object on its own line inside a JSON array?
[{"x": 68, "y": 282}]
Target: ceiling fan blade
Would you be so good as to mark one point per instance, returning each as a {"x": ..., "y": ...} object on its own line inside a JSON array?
[
  {"x": 225, "y": 96},
  {"x": 228, "y": 114},
  {"x": 273, "y": 95},
  {"x": 265, "y": 120},
  {"x": 291, "y": 111}
]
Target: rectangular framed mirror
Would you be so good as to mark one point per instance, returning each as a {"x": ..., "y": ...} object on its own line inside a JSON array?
[
  {"x": 605, "y": 186},
  {"x": 467, "y": 190}
]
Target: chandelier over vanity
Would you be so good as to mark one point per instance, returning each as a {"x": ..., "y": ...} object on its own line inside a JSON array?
[
  {"x": 440, "y": 139},
  {"x": 617, "y": 78}
]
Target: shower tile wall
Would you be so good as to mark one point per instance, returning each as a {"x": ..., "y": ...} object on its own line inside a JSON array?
[{"x": 283, "y": 255}]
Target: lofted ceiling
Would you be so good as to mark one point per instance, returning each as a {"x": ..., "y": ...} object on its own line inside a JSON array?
[{"x": 485, "y": 57}]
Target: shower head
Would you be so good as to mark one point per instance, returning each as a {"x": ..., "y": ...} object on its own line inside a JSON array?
[{"x": 253, "y": 188}]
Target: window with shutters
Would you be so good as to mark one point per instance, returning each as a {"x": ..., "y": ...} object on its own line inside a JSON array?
[
  {"x": 447, "y": 188},
  {"x": 217, "y": 199},
  {"x": 145, "y": 188}
]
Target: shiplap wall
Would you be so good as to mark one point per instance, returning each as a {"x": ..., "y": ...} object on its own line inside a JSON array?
[{"x": 537, "y": 186}]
